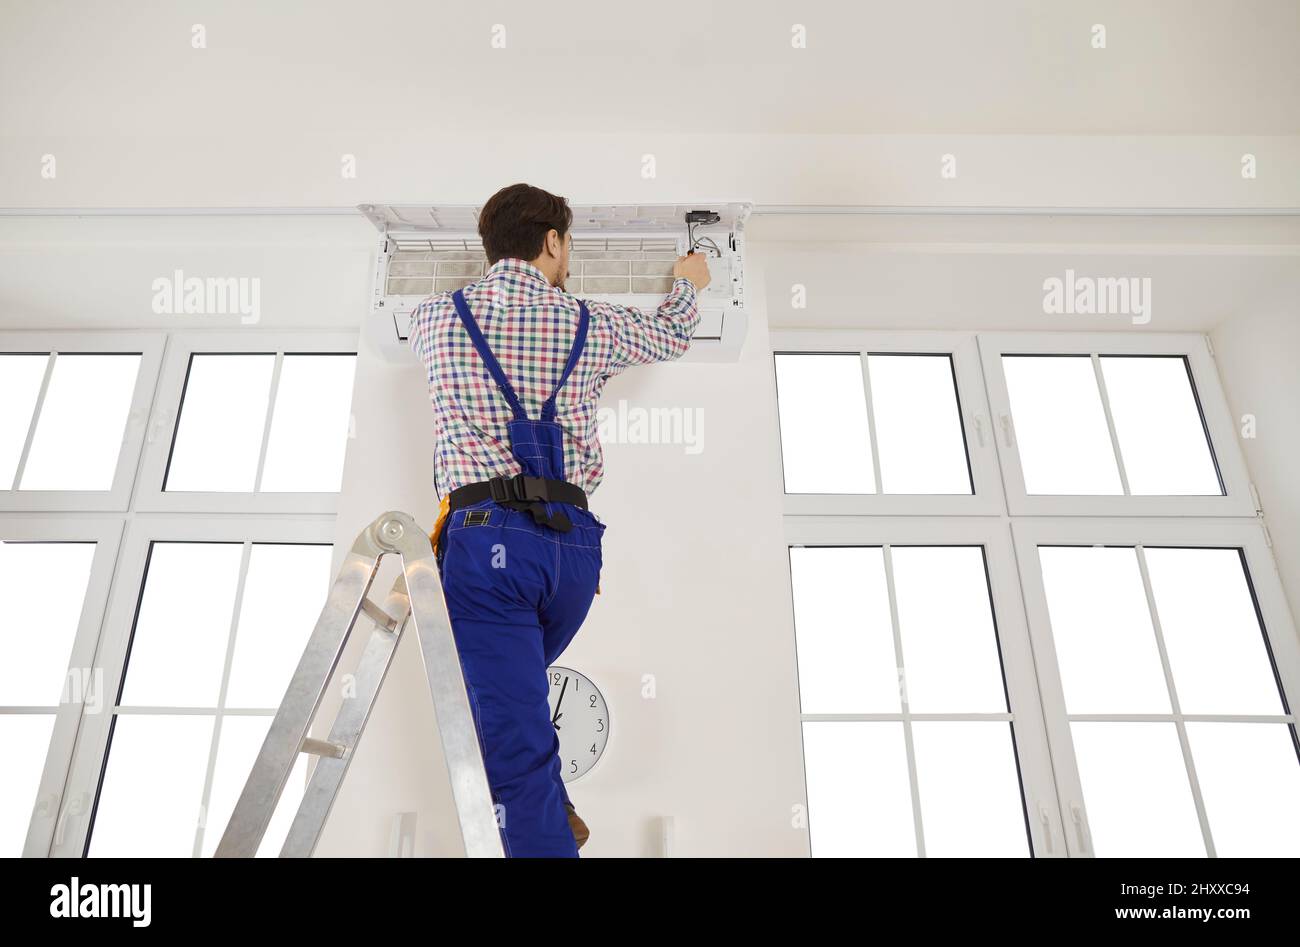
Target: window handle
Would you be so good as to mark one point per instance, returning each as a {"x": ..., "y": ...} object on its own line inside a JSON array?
[
  {"x": 1080, "y": 827},
  {"x": 979, "y": 428},
  {"x": 160, "y": 422},
  {"x": 1045, "y": 818},
  {"x": 1007, "y": 438},
  {"x": 75, "y": 807}
]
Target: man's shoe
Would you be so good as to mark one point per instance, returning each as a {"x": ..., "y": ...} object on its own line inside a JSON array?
[{"x": 577, "y": 826}]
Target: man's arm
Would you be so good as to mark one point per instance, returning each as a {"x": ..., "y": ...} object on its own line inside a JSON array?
[{"x": 639, "y": 337}]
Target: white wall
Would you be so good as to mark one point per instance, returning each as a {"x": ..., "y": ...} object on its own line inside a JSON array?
[{"x": 1258, "y": 354}]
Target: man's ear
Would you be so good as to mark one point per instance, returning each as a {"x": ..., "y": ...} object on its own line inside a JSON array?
[{"x": 554, "y": 242}]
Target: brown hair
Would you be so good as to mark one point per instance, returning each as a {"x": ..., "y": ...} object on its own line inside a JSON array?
[{"x": 515, "y": 220}]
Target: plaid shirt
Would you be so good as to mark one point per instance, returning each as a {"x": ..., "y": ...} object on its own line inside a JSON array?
[{"x": 530, "y": 326}]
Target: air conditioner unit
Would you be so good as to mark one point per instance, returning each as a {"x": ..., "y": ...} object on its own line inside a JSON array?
[{"x": 621, "y": 254}]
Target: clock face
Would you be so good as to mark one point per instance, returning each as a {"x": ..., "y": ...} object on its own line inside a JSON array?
[{"x": 581, "y": 719}]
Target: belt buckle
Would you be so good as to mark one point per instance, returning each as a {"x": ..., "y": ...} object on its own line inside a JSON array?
[
  {"x": 532, "y": 488},
  {"x": 499, "y": 487}
]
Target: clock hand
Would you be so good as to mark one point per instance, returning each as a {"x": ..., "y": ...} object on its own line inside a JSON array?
[
  {"x": 556, "y": 721},
  {"x": 560, "y": 700}
]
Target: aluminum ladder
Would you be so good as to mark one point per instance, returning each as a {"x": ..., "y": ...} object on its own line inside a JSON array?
[{"x": 416, "y": 595}]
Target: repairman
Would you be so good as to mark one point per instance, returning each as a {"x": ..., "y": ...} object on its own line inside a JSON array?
[{"x": 516, "y": 366}]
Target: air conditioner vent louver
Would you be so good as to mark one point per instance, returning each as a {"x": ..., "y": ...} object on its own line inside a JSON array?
[
  {"x": 422, "y": 265},
  {"x": 621, "y": 254}
]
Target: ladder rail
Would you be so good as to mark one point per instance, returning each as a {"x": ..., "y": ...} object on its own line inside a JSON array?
[{"x": 461, "y": 748}]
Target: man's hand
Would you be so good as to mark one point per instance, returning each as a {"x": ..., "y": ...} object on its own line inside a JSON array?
[{"x": 695, "y": 267}]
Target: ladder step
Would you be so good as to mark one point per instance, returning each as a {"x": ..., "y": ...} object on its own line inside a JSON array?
[
  {"x": 324, "y": 748},
  {"x": 378, "y": 615}
]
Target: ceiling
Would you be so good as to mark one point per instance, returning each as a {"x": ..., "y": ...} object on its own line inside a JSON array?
[{"x": 926, "y": 66}]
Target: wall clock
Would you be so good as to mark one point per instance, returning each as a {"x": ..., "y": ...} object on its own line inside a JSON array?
[{"x": 581, "y": 720}]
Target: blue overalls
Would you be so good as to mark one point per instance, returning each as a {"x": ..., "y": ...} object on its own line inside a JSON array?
[{"x": 517, "y": 591}]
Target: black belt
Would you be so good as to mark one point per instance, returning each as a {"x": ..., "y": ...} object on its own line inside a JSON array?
[{"x": 522, "y": 492}]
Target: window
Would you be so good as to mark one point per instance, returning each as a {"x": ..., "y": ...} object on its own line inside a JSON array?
[
  {"x": 916, "y": 691},
  {"x": 1113, "y": 423},
  {"x": 227, "y": 416},
  {"x": 1167, "y": 656},
  {"x": 1163, "y": 657},
  {"x": 167, "y": 640},
  {"x": 260, "y": 429},
  {"x": 873, "y": 636},
  {"x": 53, "y": 577},
  {"x": 74, "y": 414},
  {"x": 249, "y": 594},
  {"x": 210, "y": 693},
  {"x": 882, "y": 427}
]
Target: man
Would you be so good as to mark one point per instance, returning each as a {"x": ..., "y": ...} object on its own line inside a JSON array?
[{"x": 516, "y": 366}]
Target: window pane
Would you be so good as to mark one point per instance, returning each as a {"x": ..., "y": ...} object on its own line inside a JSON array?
[
  {"x": 178, "y": 648},
  {"x": 20, "y": 386},
  {"x": 42, "y": 588},
  {"x": 918, "y": 427},
  {"x": 222, "y": 419},
  {"x": 825, "y": 440},
  {"x": 1135, "y": 788},
  {"x": 1158, "y": 425},
  {"x": 1060, "y": 425},
  {"x": 950, "y": 652},
  {"x": 284, "y": 592},
  {"x": 240, "y": 742},
  {"x": 843, "y": 633},
  {"x": 1250, "y": 781},
  {"x": 309, "y": 429},
  {"x": 1101, "y": 625},
  {"x": 82, "y": 422},
  {"x": 970, "y": 790},
  {"x": 26, "y": 739},
  {"x": 1212, "y": 635},
  {"x": 151, "y": 799},
  {"x": 859, "y": 793}
]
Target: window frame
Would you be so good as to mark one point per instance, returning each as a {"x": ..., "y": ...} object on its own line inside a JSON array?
[
  {"x": 1038, "y": 787},
  {"x": 106, "y": 534},
  {"x": 981, "y": 455},
  {"x": 1279, "y": 629},
  {"x": 93, "y": 743},
  {"x": 117, "y": 498},
  {"x": 1220, "y": 429},
  {"x": 164, "y": 424}
]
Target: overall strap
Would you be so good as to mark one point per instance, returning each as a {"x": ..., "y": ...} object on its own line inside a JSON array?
[
  {"x": 548, "y": 408},
  {"x": 485, "y": 353}
]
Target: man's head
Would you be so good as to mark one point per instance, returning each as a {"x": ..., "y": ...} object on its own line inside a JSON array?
[{"x": 528, "y": 223}]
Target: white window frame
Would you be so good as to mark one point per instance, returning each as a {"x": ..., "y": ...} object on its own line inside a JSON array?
[
  {"x": 118, "y": 497},
  {"x": 980, "y": 452},
  {"x": 1219, "y": 425},
  {"x": 106, "y": 534},
  {"x": 1031, "y": 746},
  {"x": 83, "y": 777},
  {"x": 1049, "y": 773},
  {"x": 150, "y": 495},
  {"x": 1249, "y": 536}
]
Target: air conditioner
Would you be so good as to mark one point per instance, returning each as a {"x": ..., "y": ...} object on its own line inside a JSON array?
[{"x": 621, "y": 254}]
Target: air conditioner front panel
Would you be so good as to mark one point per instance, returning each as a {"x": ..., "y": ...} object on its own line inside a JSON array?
[{"x": 621, "y": 254}]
